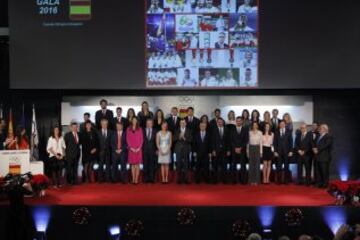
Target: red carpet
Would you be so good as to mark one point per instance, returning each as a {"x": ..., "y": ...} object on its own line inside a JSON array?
[{"x": 185, "y": 195}]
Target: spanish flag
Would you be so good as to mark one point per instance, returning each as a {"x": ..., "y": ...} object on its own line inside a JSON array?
[{"x": 10, "y": 125}]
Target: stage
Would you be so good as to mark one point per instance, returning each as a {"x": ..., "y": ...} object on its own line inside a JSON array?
[{"x": 184, "y": 195}]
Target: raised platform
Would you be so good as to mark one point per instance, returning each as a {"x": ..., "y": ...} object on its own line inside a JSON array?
[{"x": 185, "y": 195}]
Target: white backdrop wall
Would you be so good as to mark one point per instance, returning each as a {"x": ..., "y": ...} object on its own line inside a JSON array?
[{"x": 299, "y": 107}]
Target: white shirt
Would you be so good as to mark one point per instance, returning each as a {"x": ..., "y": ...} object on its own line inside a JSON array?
[
  {"x": 246, "y": 9},
  {"x": 189, "y": 82},
  {"x": 220, "y": 25},
  {"x": 56, "y": 146},
  {"x": 209, "y": 82},
  {"x": 229, "y": 82}
]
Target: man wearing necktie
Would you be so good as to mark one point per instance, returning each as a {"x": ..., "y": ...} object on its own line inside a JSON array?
[
  {"x": 173, "y": 124},
  {"x": 182, "y": 142},
  {"x": 72, "y": 153},
  {"x": 322, "y": 150},
  {"x": 220, "y": 147},
  {"x": 202, "y": 153},
  {"x": 239, "y": 139},
  {"x": 275, "y": 120},
  {"x": 303, "y": 150},
  {"x": 104, "y": 152},
  {"x": 118, "y": 152},
  {"x": 120, "y": 118},
  {"x": 149, "y": 151},
  {"x": 283, "y": 143},
  {"x": 103, "y": 113},
  {"x": 192, "y": 122},
  {"x": 213, "y": 122}
]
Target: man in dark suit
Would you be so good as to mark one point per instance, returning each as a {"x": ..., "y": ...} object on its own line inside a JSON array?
[
  {"x": 283, "y": 143},
  {"x": 173, "y": 124},
  {"x": 86, "y": 119},
  {"x": 119, "y": 154},
  {"x": 182, "y": 142},
  {"x": 173, "y": 121},
  {"x": 2, "y": 134},
  {"x": 119, "y": 118},
  {"x": 213, "y": 122},
  {"x": 72, "y": 153},
  {"x": 239, "y": 139},
  {"x": 149, "y": 151},
  {"x": 275, "y": 120},
  {"x": 220, "y": 44},
  {"x": 103, "y": 113},
  {"x": 104, "y": 151},
  {"x": 220, "y": 150},
  {"x": 322, "y": 150},
  {"x": 315, "y": 137},
  {"x": 303, "y": 149},
  {"x": 202, "y": 153},
  {"x": 192, "y": 122}
]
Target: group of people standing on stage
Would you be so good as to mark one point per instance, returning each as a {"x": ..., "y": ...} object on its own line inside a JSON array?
[{"x": 210, "y": 150}]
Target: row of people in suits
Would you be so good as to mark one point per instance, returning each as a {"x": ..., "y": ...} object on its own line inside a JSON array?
[
  {"x": 192, "y": 121},
  {"x": 212, "y": 147}
]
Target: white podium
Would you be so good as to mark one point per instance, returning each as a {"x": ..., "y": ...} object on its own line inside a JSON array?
[{"x": 18, "y": 161}]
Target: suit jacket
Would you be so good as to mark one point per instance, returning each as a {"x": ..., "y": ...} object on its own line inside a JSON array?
[
  {"x": 82, "y": 127},
  {"x": 275, "y": 126},
  {"x": 173, "y": 126},
  {"x": 72, "y": 150},
  {"x": 219, "y": 144},
  {"x": 239, "y": 139},
  {"x": 202, "y": 147},
  {"x": 217, "y": 45},
  {"x": 142, "y": 118},
  {"x": 213, "y": 123},
  {"x": 99, "y": 115},
  {"x": 104, "y": 142},
  {"x": 114, "y": 142},
  {"x": 124, "y": 121},
  {"x": 89, "y": 141},
  {"x": 305, "y": 144},
  {"x": 149, "y": 145},
  {"x": 283, "y": 144},
  {"x": 180, "y": 144},
  {"x": 194, "y": 125},
  {"x": 324, "y": 146}
]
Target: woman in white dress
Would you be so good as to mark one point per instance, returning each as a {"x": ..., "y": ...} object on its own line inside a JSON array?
[{"x": 163, "y": 143}]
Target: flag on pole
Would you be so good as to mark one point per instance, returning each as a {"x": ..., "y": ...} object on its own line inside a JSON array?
[
  {"x": 1, "y": 111},
  {"x": 23, "y": 116},
  {"x": 162, "y": 26},
  {"x": 34, "y": 151},
  {"x": 10, "y": 126}
]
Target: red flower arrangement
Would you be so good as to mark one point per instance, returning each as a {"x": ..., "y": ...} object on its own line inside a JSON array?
[
  {"x": 345, "y": 192},
  {"x": 39, "y": 183}
]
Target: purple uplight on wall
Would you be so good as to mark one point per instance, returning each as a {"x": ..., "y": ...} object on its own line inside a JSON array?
[
  {"x": 41, "y": 216},
  {"x": 344, "y": 168},
  {"x": 334, "y": 217},
  {"x": 266, "y": 215}
]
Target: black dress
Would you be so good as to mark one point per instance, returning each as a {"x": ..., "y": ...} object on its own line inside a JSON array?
[{"x": 89, "y": 141}]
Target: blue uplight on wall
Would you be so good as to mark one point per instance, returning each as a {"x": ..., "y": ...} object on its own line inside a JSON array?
[
  {"x": 334, "y": 217},
  {"x": 344, "y": 169},
  {"x": 115, "y": 230},
  {"x": 266, "y": 215},
  {"x": 41, "y": 216}
]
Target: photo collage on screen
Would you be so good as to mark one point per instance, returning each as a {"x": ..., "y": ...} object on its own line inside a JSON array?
[{"x": 201, "y": 43}]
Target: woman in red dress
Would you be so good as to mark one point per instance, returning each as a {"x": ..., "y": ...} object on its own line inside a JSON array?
[
  {"x": 134, "y": 139},
  {"x": 19, "y": 142}
]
